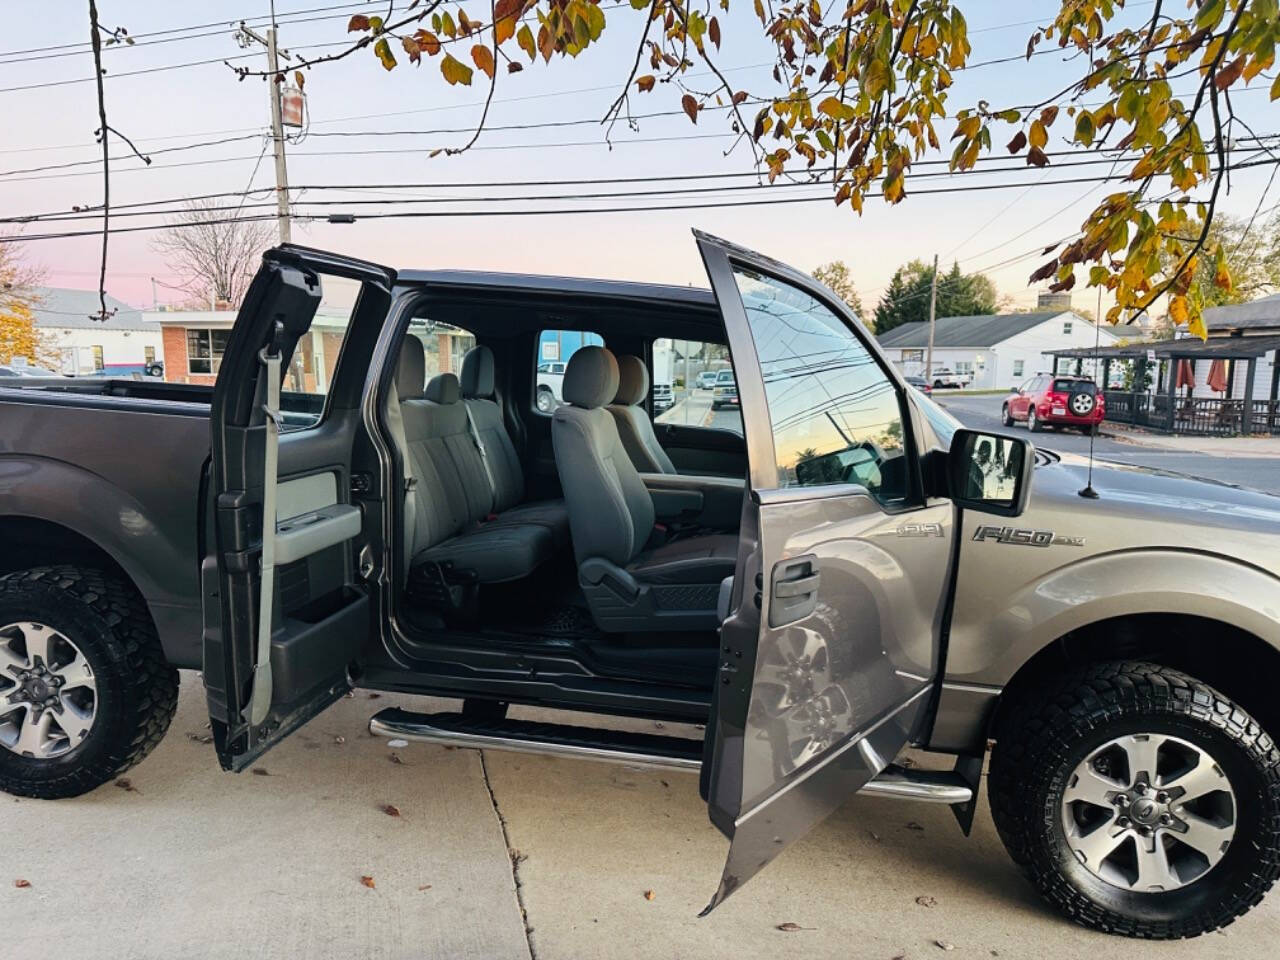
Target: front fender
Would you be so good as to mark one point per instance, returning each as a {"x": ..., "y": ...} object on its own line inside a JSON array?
[{"x": 995, "y": 631}]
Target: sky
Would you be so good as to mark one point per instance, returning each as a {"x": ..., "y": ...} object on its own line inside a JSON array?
[{"x": 53, "y": 123}]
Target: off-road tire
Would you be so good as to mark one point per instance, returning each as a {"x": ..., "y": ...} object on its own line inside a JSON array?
[
  {"x": 137, "y": 690},
  {"x": 1041, "y": 737}
]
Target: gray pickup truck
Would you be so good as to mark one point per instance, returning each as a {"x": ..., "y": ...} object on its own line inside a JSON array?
[{"x": 852, "y": 574}]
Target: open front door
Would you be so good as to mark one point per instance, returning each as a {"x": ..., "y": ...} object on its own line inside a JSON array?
[
  {"x": 286, "y": 615},
  {"x": 830, "y": 644}
]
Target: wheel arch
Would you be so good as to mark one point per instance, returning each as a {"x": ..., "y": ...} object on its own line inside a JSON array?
[{"x": 1238, "y": 663}]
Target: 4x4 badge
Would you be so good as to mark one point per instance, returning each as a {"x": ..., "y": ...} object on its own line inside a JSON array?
[{"x": 1029, "y": 538}]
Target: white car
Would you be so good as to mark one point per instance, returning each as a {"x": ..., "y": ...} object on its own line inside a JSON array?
[
  {"x": 549, "y": 382},
  {"x": 946, "y": 377}
]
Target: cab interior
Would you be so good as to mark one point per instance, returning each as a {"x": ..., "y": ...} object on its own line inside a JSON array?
[{"x": 581, "y": 535}]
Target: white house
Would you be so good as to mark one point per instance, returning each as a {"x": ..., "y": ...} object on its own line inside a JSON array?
[
  {"x": 997, "y": 350},
  {"x": 1258, "y": 318},
  {"x": 122, "y": 344}
]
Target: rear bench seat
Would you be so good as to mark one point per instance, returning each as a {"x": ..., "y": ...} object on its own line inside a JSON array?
[{"x": 466, "y": 514}]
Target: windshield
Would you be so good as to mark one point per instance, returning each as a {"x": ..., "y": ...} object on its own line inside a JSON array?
[
  {"x": 943, "y": 423},
  {"x": 724, "y": 376}
]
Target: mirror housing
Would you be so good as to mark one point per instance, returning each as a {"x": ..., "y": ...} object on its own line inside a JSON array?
[{"x": 990, "y": 472}]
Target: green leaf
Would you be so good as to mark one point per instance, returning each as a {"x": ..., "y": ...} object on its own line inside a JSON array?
[
  {"x": 1084, "y": 127},
  {"x": 455, "y": 71},
  {"x": 383, "y": 51},
  {"x": 525, "y": 39}
]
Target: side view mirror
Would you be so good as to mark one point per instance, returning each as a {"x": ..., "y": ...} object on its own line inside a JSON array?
[{"x": 990, "y": 472}]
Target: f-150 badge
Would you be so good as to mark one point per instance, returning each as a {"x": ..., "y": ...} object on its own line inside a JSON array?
[{"x": 1028, "y": 538}]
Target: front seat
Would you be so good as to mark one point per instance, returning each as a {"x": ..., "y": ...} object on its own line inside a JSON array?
[
  {"x": 632, "y": 578},
  {"x": 634, "y": 425}
]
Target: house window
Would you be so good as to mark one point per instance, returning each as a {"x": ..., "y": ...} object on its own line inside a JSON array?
[
  {"x": 1017, "y": 368},
  {"x": 1066, "y": 328},
  {"x": 205, "y": 349},
  {"x": 964, "y": 367},
  {"x": 97, "y": 357},
  {"x": 149, "y": 355}
]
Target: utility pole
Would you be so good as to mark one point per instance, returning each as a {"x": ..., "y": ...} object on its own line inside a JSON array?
[
  {"x": 245, "y": 36},
  {"x": 933, "y": 309}
]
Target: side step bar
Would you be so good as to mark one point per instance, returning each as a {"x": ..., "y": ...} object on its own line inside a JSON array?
[{"x": 636, "y": 749}]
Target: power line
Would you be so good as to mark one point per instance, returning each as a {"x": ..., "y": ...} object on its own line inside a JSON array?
[{"x": 525, "y": 212}]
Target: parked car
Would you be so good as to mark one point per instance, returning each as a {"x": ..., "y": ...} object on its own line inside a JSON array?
[
  {"x": 663, "y": 398},
  {"x": 945, "y": 377},
  {"x": 899, "y": 580},
  {"x": 921, "y": 384},
  {"x": 1056, "y": 401},
  {"x": 550, "y": 378},
  {"x": 725, "y": 392},
  {"x": 706, "y": 380},
  {"x": 26, "y": 370}
]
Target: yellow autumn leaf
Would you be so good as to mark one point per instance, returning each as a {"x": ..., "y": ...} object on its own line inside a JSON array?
[
  {"x": 1179, "y": 310},
  {"x": 455, "y": 71}
]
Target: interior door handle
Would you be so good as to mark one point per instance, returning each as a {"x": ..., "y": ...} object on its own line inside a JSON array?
[
  {"x": 794, "y": 590},
  {"x": 799, "y": 587}
]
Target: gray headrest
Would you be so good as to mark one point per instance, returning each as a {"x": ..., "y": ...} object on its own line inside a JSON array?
[
  {"x": 633, "y": 381},
  {"x": 591, "y": 378},
  {"x": 477, "y": 373},
  {"x": 443, "y": 388},
  {"x": 411, "y": 369}
]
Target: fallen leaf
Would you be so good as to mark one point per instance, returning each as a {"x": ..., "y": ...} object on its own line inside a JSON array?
[
  {"x": 260, "y": 772},
  {"x": 425, "y": 886},
  {"x": 390, "y": 809},
  {"x": 124, "y": 783},
  {"x": 927, "y": 901},
  {"x": 873, "y": 835},
  {"x": 912, "y": 825},
  {"x": 394, "y": 758},
  {"x": 375, "y": 696},
  {"x": 22, "y": 884},
  {"x": 368, "y": 882},
  {"x": 789, "y": 927},
  {"x": 199, "y": 738},
  {"x": 649, "y": 894},
  {"x": 943, "y": 945}
]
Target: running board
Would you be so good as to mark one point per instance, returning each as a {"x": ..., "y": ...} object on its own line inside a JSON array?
[{"x": 615, "y": 746}]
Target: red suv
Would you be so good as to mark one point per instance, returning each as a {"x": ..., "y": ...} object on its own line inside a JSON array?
[{"x": 1056, "y": 402}]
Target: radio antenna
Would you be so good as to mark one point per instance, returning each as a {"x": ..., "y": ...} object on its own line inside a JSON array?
[{"x": 1088, "y": 492}]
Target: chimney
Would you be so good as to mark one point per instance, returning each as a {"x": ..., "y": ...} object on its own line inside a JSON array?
[{"x": 1053, "y": 301}]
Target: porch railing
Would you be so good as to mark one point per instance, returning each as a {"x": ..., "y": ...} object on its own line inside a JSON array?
[{"x": 1193, "y": 416}]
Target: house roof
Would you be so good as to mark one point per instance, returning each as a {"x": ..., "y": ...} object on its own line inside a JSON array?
[
  {"x": 70, "y": 309},
  {"x": 983, "y": 330},
  {"x": 1215, "y": 348},
  {"x": 1245, "y": 316}
]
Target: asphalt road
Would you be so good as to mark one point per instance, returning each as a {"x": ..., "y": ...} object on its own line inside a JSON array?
[
  {"x": 1261, "y": 473},
  {"x": 500, "y": 856}
]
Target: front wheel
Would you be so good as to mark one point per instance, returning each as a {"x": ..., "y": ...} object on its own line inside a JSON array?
[
  {"x": 1138, "y": 800},
  {"x": 85, "y": 691},
  {"x": 1005, "y": 416},
  {"x": 545, "y": 401}
]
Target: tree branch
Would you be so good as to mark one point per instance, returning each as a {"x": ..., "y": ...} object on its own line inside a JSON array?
[
  {"x": 611, "y": 115},
  {"x": 493, "y": 84}
]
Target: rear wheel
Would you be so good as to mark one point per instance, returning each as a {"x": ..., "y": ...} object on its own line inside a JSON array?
[
  {"x": 545, "y": 400},
  {"x": 1033, "y": 422},
  {"x": 1138, "y": 800},
  {"x": 85, "y": 691}
]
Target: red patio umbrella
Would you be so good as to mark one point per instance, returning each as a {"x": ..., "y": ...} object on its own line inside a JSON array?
[
  {"x": 1217, "y": 379},
  {"x": 1186, "y": 375}
]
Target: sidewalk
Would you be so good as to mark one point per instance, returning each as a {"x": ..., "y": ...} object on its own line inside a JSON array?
[
  {"x": 691, "y": 411},
  {"x": 1217, "y": 446}
]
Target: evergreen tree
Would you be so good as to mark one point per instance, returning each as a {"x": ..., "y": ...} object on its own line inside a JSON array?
[{"x": 906, "y": 300}]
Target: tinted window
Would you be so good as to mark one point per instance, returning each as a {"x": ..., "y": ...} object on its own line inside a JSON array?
[
  {"x": 554, "y": 348},
  {"x": 835, "y": 414},
  {"x": 1065, "y": 386}
]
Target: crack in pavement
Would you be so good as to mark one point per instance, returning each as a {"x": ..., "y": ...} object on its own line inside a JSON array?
[{"x": 514, "y": 856}]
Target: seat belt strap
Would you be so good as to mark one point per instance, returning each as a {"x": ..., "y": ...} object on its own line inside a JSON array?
[
  {"x": 484, "y": 455},
  {"x": 260, "y": 699}
]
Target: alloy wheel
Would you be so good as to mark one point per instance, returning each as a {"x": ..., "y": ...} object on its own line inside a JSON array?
[
  {"x": 1149, "y": 813},
  {"x": 48, "y": 693}
]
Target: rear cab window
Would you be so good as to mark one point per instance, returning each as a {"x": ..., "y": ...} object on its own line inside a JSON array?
[{"x": 551, "y": 358}]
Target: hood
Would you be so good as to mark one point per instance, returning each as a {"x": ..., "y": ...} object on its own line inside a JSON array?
[{"x": 1145, "y": 507}]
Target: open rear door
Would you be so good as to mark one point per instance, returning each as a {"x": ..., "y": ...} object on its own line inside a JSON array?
[
  {"x": 286, "y": 614},
  {"x": 830, "y": 645}
]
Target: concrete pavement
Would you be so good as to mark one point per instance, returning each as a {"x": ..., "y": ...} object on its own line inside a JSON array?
[{"x": 190, "y": 862}]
